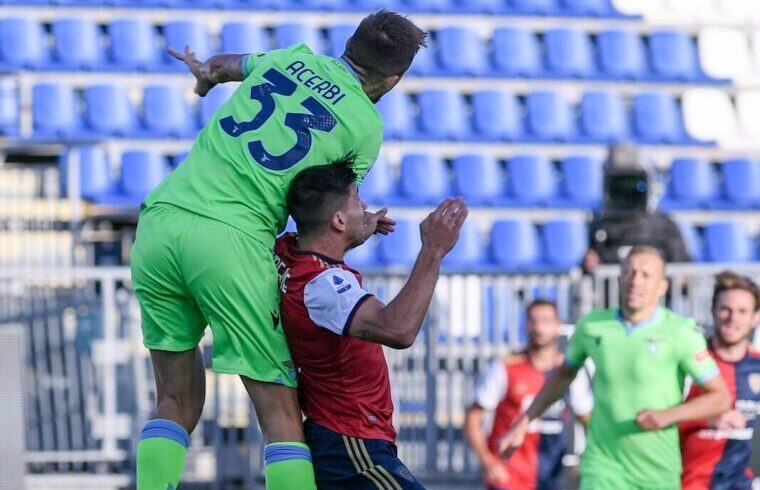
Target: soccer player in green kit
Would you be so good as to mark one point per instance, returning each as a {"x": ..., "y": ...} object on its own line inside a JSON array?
[
  {"x": 641, "y": 352},
  {"x": 203, "y": 252}
]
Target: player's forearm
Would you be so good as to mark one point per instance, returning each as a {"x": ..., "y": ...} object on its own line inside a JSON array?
[
  {"x": 705, "y": 406},
  {"x": 224, "y": 67},
  {"x": 473, "y": 427},
  {"x": 553, "y": 389},
  {"x": 406, "y": 312}
]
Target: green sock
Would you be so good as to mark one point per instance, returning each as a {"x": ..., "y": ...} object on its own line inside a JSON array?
[
  {"x": 288, "y": 466},
  {"x": 161, "y": 455}
]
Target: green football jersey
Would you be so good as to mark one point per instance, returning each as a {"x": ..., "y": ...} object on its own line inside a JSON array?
[
  {"x": 637, "y": 367},
  {"x": 294, "y": 110}
]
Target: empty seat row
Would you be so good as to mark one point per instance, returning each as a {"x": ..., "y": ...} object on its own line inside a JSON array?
[
  {"x": 130, "y": 44},
  {"x": 696, "y": 183},
  {"x": 723, "y": 12},
  {"x": 523, "y": 180},
  {"x": 711, "y": 114},
  {"x": 574, "y": 8}
]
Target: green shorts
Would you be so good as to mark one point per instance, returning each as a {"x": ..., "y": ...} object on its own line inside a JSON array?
[{"x": 189, "y": 271}]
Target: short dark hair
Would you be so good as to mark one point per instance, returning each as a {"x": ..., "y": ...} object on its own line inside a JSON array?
[
  {"x": 384, "y": 44},
  {"x": 541, "y": 302},
  {"x": 729, "y": 280},
  {"x": 318, "y": 192}
]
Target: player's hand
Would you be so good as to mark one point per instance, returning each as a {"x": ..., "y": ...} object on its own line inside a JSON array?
[
  {"x": 383, "y": 225},
  {"x": 440, "y": 230},
  {"x": 514, "y": 437},
  {"x": 201, "y": 71},
  {"x": 653, "y": 419},
  {"x": 494, "y": 472},
  {"x": 733, "y": 419}
]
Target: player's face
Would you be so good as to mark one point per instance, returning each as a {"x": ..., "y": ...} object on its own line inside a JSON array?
[
  {"x": 354, "y": 212},
  {"x": 543, "y": 326},
  {"x": 642, "y": 281},
  {"x": 734, "y": 316}
]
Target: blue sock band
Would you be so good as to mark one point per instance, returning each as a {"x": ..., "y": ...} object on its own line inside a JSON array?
[
  {"x": 167, "y": 429},
  {"x": 274, "y": 453}
]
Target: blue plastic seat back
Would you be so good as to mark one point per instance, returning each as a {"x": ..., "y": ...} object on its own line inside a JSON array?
[
  {"x": 401, "y": 247},
  {"x": 216, "y": 97},
  {"x": 95, "y": 176},
  {"x": 365, "y": 255},
  {"x": 540, "y": 7},
  {"x": 290, "y": 33},
  {"x": 603, "y": 116},
  {"x": 243, "y": 37},
  {"x": 396, "y": 110},
  {"x": 741, "y": 181},
  {"x": 582, "y": 179},
  {"x": 78, "y": 43},
  {"x": 22, "y": 43},
  {"x": 514, "y": 244},
  {"x": 108, "y": 110},
  {"x": 549, "y": 116},
  {"x": 673, "y": 55},
  {"x": 141, "y": 172},
  {"x": 569, "y": 53},
  {"x": 586, "y": 7},
  {"x": 497, "y": 115},
  {"x": 692, "y": 181},
  {"x": 470, "y": 249},
  {"x": 379, "y": 183},
  {"x": 460, "y": 51},
  {"x": 424, "y": 179},
  {"x": 531, "y": 179},
  {"x": 478, "y": 178},
  {"x": 337, "y": 36},
  {"x": 621, "y": 54},
  {"x": 181, "y": 33},
  {"x": 516, "y": 52},
  {"x": 166, "y": 112},
  {"x": 10, "y": 108},
  {"x": 564, "y": 242},
  {"x": 727, "y": 241},
  {"x": 54, "y": 110},
  {"x": 134, "y": 44},
  {"x": 691, "y": 240},
  {"x": 443, "y": 114},
  {"x": 656, "y": 118}
]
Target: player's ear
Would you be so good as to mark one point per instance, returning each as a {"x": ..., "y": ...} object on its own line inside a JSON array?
[
  {"x": 391, "y": 82},
  {"x": 664, "y": 285},
  {"x": 338, "y": 220}
]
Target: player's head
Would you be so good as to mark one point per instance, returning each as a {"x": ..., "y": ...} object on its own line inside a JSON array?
[
  {"x": 325, "y": 199},
  {"x": 382, "y": 48},
  {"x": 735, "y": 307},
  {"x": 642, "y": 279},
  {"x": 543, "y": 323}
]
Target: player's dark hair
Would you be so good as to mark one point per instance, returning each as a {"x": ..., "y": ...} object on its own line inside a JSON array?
[
  {"x": 316, "y": 193},
  {"x": 384, "y": 44},
  {"x": 542, "y": 302},
  {"x": 729, "y": 280}
]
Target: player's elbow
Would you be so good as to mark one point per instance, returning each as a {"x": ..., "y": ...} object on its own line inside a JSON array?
[{"x": 401, "y": 341}]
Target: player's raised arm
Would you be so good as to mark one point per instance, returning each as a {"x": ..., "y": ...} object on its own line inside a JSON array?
[
  {"x": 220, "y": 68},
  {"x": 397, "y": 324}
]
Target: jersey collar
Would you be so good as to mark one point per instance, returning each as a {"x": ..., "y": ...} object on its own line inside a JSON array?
[
  {"x": 297, "y": 251},
  {"x": 632, "y": 327},
  {"x": 350, "y": 69}
]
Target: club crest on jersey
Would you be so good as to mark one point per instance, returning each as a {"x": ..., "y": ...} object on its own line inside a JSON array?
[
  {"x": 653, "y": 346},
  {"x": 337, "y": 282},
  {"x": 754, "y": 382}
]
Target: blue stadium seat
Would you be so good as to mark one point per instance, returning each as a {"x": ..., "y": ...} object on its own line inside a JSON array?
[
  {"x": 77, "y": 44},
  {"x": 141, "y": 172},
  {"x": 481, "y": 6},
  {"x": 603, "y": 116},
  {"x": 516, "y": 52},
  {"x": 401, "y": 247},
  {"x": 378, "y": 185},
  {"x": 396, "y": 109},
  {"x": 657, "y": 118},
  {"x": 22, "y": 43},
  {"x": 564, "y": 242},
  {"x": 586, "y": 7},
  {"x": 691, "y": 185},
  {"x": 514, "y": 245},
  {"x": 531, "y": 180},
  {"x": 54, "y": 111},
  {"x": 741, "y": 183},
  {"x": 443, "y": 114},
  {"x": 621, "y": 54},
  {"x": 337, "y": 35},
  {"x": 582, "y": 182},
  {"x": 10, "y": 109},
  {"x": 371, "y": 5},
  {"x": 478, "y": 178},
  {"x": 95, "y": 177},
  {"x": 364, "y": 256},
  {"x": 178, "y": 158},
  {"x": 290, "y": 33},
  {"x": 539, "y": 7},
  {"x": 569, "y": 53},
  {"x": 469, "y": 253},
  {"x": 427, "y": 6},
  {"x": 692, "y": 241},
  {"x": 181, "y": 33},
  {"x": 108, "y": 111},
  {"x": 134, "y": 44},
  {"x": 166, "y": 113},
  {"x": 673, "y": 55},
  {"x": 550, "y": 117},
  {"x": 216, "y": 97},
  {"x": 243, "y": 37},
  {"x": 497, "y": 115},
  {"x": 460, "y": 51},
  {"x": 727, "y": 242},
  {"x": 424, "y": 61},
  {"x": 424, "y": 179}
]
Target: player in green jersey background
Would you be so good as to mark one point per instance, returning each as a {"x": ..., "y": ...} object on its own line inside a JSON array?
[
  {"x": 203, "y": 252},
  {"x": 642, "y": 353}
]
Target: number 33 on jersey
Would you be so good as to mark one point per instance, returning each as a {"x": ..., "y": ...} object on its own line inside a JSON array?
[{"x": 295, "y": 109}]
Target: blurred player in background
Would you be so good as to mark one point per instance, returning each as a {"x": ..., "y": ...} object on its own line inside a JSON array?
[
  {"x": 716, "y": 452},
  {"x": 203, "y": 253},
  {"x": 336, "y": 329},
  {"x": 508, "y": 388},
  {"x": 642, "y": 353}
]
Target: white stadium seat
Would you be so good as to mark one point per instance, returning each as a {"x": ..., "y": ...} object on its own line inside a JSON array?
[
  {"x": 725, "y": 53},
  {"x": 748, "y": 111},
  {"x": 647, "y": 8},
  {"x": 690, "y": 10},
  {"x": 709, "y": 115}
]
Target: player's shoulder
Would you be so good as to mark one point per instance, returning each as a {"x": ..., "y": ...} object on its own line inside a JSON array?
[
  {"x": 753, "y": 353},
  {"x": 597, "y": 316},
  {"x": 679, "y": 323},
  {"x": 515, "y": 359}
]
